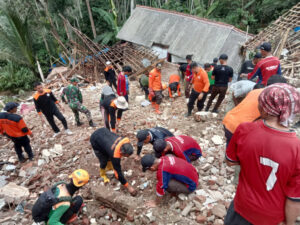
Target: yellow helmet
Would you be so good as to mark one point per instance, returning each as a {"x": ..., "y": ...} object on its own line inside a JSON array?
[
  {"x": 164, "y": 86},
  {"x": 80, "y": 177}
]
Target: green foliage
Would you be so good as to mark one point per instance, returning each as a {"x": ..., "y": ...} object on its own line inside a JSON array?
[{"x": 16, "y": 79}]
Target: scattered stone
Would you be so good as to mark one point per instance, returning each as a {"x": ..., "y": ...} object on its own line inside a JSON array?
[
  {"x": 151, "y": 217},
  {"x": 214, "y": 170},
  {"x": 216, "y": 195},
  {"x": 201, "y": 219},
  {"x": 219, "y": 211},
  {"x": 22, "y": 173},
  {"x": 10, "y": 167},
  {"x": 187, "y": 209},
  {"x": 101, "y": 212},
  {"x": 217, "y": 140},
  {"x": 182, "y": 197},
  {"x": 218, "y": 222},
  {"x": 13, "y": 193},
  {"x": 41, "y": 162},
  {"x": 2, "y": 203},
  {"x": 139, "y": 99},
  {"x": 205, "y": 167},
  {"x": 202, "y": 116},
  {"x": 3, "y": 181}
]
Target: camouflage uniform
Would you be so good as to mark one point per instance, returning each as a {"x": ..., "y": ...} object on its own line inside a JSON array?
[{"x": 74, "y": 98}]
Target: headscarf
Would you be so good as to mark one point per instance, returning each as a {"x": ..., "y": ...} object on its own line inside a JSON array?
[{"x": 281, "y": 100}]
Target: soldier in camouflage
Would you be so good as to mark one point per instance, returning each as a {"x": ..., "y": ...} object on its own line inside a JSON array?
[{"x": 74, "y": 99}]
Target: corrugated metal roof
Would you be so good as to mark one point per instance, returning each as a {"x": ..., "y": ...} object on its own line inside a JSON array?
[{"x": 184, "y": 34}]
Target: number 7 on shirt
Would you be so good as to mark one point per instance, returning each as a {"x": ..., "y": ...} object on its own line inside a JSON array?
[{"x": 272, "y": 177}]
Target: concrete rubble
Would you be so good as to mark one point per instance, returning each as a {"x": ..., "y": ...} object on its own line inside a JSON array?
[{"x": 56, "y": 158}]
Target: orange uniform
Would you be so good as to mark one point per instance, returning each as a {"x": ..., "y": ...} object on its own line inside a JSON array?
[
  {"x": 174, "y": 78},
  {"x": 200, "y": 81},
  {"x": 13, "y": 125},
  {"x": 246, "y": 111},
  {"x": 155, "y": 80}
]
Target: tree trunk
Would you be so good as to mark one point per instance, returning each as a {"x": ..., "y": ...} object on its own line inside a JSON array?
[{"x": 91, "y": 18}]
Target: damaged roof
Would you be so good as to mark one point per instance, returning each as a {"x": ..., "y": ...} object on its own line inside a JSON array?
[{"x": 184, "y": 34}]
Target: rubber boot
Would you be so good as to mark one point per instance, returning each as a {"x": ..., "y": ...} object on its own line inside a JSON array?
[
  {"x": 157, "y": 109},
  {"x": 153, "y": 105},
  {"x": 103, "y": 175},
  {"x": 109, "y": 166},
  {"x": 79, "y": 124}
]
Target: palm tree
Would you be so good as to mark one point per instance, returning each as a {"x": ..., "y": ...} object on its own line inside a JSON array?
[{"x": 16, "y": 40}]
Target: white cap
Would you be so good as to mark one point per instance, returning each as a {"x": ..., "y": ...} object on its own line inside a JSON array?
[{"x": 108, "y": 63}]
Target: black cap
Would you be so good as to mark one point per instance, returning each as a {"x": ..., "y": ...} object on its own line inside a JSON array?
[
  {"x": 257, "y": 55},
  {"x": 10, "y": 105},
  {"x": 223, "y": 57},
  {"x": 266, "y": 46},
  {"x": 159, "y": 145},
  {"x": 127, "y": 149},
  {"x": 147, "y": 161},
  {"x": 141, "y": 136},
  {"x": 215, "y": 60}
]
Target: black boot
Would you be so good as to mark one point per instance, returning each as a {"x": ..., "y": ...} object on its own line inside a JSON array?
[{"x": 91, "y": 123}]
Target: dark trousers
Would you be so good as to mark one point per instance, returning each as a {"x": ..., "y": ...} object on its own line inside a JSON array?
[
  {"x": 113, "y": 82},
  {"x": 158, "y": 97},
  {"x": 193, "y": 97},
  {"x": 126, "y": 97},
  {"x": 105, "y": 117},
  {"x": 102, "y": 156},
  {"x": 146, "y": 90},
  {"x": 221, "y": 91},
  {"x": 24, "y": 142},
  {"x": 177, "y": 187},
  {"x": 233, "y": 218},
  {"x": 74, "y": 209},
  {"x": 228, "y": 136},
  {"x": 50, "y": 119}
]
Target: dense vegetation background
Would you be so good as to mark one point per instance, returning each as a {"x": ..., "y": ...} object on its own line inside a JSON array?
[{"x": 26, "y": 27}]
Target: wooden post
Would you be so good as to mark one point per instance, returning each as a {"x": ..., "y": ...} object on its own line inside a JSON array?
[{"x": 91, "y": 18}]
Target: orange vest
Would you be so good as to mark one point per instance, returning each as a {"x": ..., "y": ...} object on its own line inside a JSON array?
[
  {"x": 174, "y": 78},
  {"x": 155, "y": 80},
  {"x": 200, "y": 81}
]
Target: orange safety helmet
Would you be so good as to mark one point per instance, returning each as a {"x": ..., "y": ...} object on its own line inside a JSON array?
[{"x": 80, "y": 177}]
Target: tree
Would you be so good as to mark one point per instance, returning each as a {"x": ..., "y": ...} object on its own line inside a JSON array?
[
  {"x": 16, "y": 40},
  {"x": 91, "y": 18}
]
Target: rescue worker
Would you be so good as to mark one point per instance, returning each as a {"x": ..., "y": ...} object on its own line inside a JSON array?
[
  {"x": 266, "y": 67},
  {"x": 144, "y": 83},
  {"x": 110, "y": 75},
  {"x": 67, "y": 208},
  {"x": 155, "y": 87},
  {"x": 209, "y": 69},
  {"x": 149, "y": 136},
  {"x": 200, "y": 88},
  {"x": 109, "y": 149},
  {"x": 215, "y": 62},
  {"x": 174, "y": 175},
  {"x": 123, "y": 82},
  {"x": 112, "y": 105},
  {"x": 188, "y": 76},
  {"x": 181, "y": 146},
  {"x": 74, "y": 99},
  {"x": 14, "y": 127},
  {"x": 45, "y": 102},
  {"x": 174, "y": 85}
]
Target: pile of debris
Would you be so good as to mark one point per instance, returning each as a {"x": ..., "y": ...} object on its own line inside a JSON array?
[{"x": 56, "y": 158}]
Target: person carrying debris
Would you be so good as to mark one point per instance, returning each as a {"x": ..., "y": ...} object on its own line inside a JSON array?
[
  {"x": 111, "y": 106},
  {"x": 109, "y": 149},
  {"x": 74, "y": 99},
  {"x": 123, "y": 82},
  {"x": 144, "y": 83},
  {"x": 110, "y": 75},
  {"x": 150, "y": 135},
  {"x": 155, "y": 87},
  {"x": 173, "y": 174},
  {"x": 45, "y": 102},
  {"x": 268, "y": 191},
  {"x": 13, "y": 126},
  {"x": 57, "y": 206},
  {"x": 267, "y": 67},
  {"x": 222, "y": 74},
  {"x": 181, "y": 146},
  {"x": 174, "y": 85},
  {"x": 200, "y": 88},
  {"x": 188, "y": 76}
]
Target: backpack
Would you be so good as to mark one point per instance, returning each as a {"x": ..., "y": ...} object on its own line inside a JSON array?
[{"x": 44, "y": 204}]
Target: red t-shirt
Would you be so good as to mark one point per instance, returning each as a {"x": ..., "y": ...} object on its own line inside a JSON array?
[
  {"x": 270, "y": 171},
  {"x": 184, "y": 146}
]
